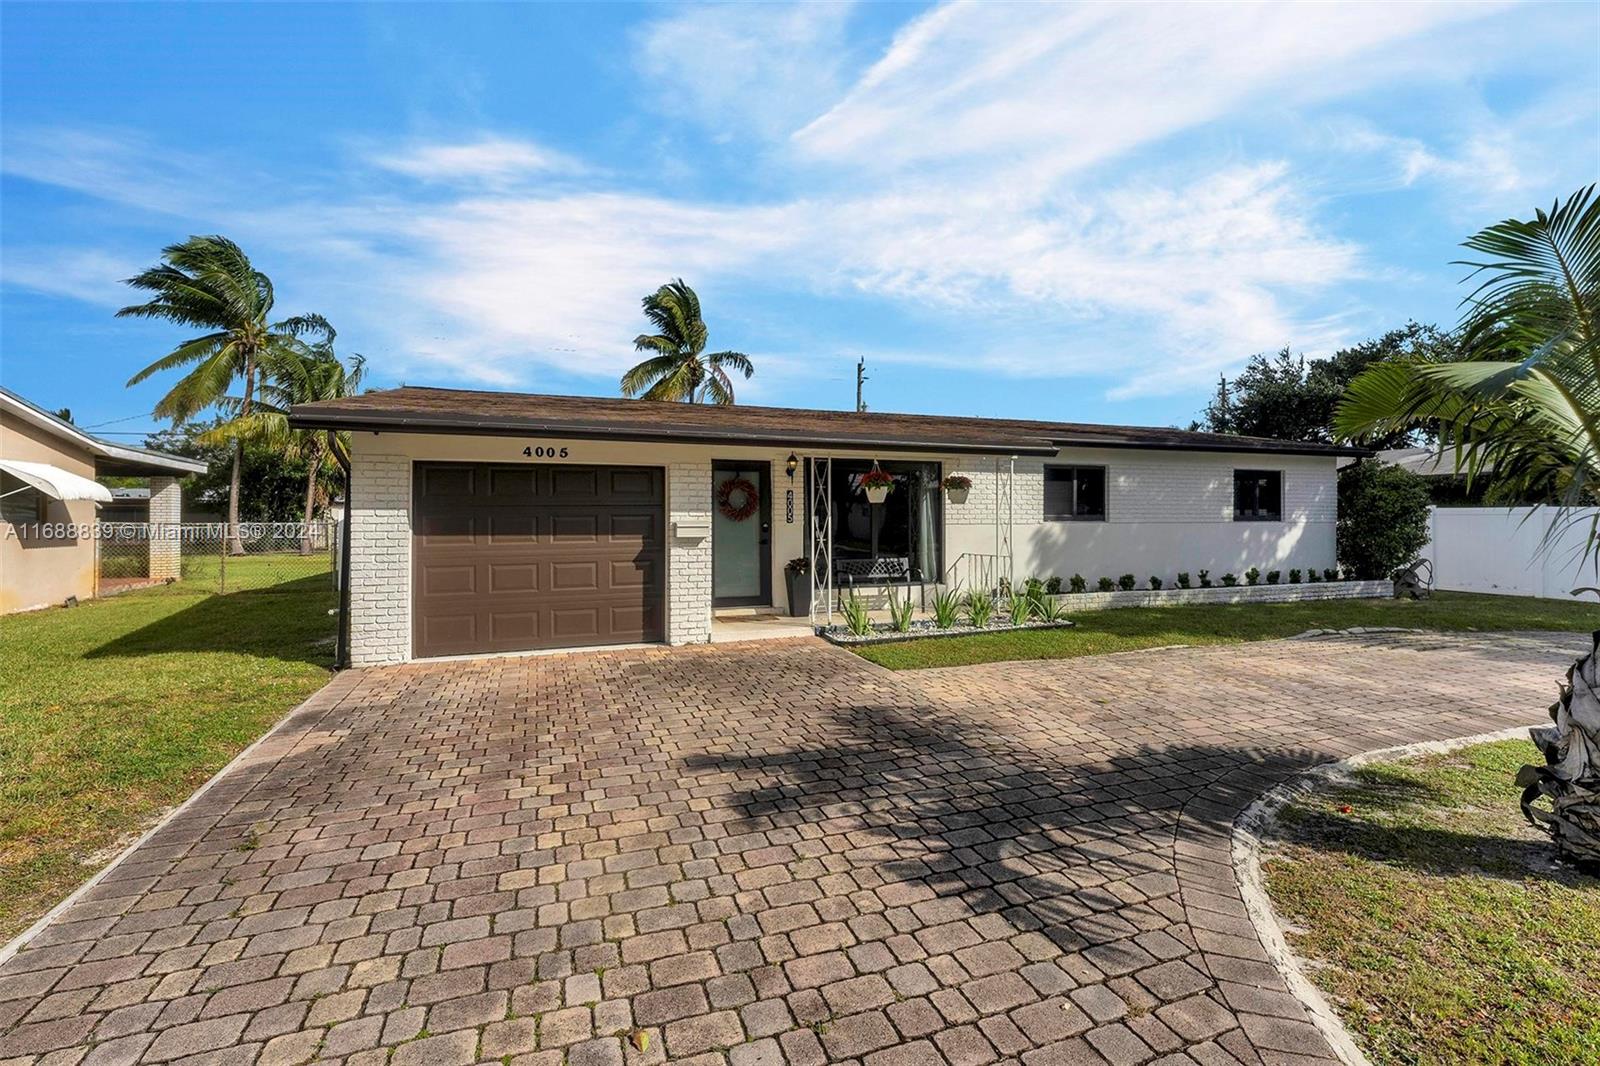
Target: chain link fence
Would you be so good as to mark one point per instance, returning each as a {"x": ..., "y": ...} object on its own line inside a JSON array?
[{"x": 254, "y": 556}]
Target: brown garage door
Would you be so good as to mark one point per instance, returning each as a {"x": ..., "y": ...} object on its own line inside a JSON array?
[{"x": 509, "y": 558}]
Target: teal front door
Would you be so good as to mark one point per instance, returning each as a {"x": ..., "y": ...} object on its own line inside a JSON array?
[{"x": 741, "y": 534}]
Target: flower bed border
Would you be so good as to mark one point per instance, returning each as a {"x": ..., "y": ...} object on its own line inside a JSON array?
[
  {"x": 923, "y": 630},
  {"x": 1280, "y": 593}
]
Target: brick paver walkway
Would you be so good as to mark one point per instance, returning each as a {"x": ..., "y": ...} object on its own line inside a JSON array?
[{"x": 761, "y": 853}]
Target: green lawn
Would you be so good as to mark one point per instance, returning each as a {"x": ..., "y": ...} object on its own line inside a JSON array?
[
  {"x": 1130, "y": 628},
  {"x": 1438, "y": 925},
  {"x": 116, "y": 709}
]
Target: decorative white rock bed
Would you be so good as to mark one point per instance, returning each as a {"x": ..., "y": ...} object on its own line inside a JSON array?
[
  {"x": 1280, "y": 593},
  {"x": 922, "y": 629}
]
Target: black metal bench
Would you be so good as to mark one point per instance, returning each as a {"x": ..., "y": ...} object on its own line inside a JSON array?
[{"x": 851, "y": 574}]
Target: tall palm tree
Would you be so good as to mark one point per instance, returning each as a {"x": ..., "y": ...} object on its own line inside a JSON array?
[
  {"x": 679, "y": 369},
  {"x": 287, "y": 379},
  {"x": 1523, "y": 403},
  {"x": 208, "y": 283}
]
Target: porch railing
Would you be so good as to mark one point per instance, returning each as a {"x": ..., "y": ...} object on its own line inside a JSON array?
[{"x": 977, "y": 570}]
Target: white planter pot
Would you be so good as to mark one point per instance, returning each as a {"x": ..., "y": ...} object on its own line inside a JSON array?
[
  {"x": 876, "y": 493},
  {"x": 958, "y": 495}
]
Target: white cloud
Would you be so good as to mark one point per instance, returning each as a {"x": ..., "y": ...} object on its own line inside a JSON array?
[
  {"x": 92, "y": 275},
  {"x": 1071, "y": 85},
  {"x": 488, "y": 159},
  {"x": 757, "y": 68}
]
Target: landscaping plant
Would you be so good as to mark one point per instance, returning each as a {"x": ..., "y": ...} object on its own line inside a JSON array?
[
  {"x": 1078, "y": 584},
  {"x": 856, "y": 618},
  {"x": 901, "y": 612},
  {"x": 1229, "y": 580},
  {"x": 1252, "y": 576},
  {"x": 1183, "y": 579},
  {"x": 946, "y": 607},
  {"x": 1330, "y": 574},
  {"x": 1570, "y": 778},
  {"x": 1053, "y": 586},
  {"x": 980, "y": 608},
  {"x": 1155, "y": 584},
  {"x": 1383, "y": 518},
  {"x": 1051, "y": 609},
  {"x": 1294, "y": 577},
  {"x": 1127, "y": 582},
  {"x": 1273, "y": 576},
  {"x": 1312, "y": 575},
  {"x": 1019, "y": 605},
  {"x": 1205, "y": 579},
  {"x": 1105, "y": 584}
]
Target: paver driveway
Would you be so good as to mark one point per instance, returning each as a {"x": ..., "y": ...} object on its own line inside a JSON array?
[{"x": 761, "y": 853}]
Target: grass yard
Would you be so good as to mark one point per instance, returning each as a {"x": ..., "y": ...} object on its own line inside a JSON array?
[
  {"x": 1438, "y": 926},
  {"x": 115, "y": 710},
  {"x": 1131, "y": 628}
]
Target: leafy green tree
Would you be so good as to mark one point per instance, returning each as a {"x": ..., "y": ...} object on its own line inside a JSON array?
[
  {"x": 291, "y": 378},
  {"x": 273, "y": 483},
  {"x": 1383, "y": 518},
  {"x": 1287, "y": 397},
  {"x": 680, "y": 369},
  {"x": 208, "y": 283},
  {"x": 1524, "y": 402}
]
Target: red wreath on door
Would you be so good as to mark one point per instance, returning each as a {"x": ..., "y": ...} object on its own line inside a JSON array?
[{"x": 737, "y": 512}]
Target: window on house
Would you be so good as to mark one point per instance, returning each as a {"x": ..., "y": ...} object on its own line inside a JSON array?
[
  {"x": 1258, "y": 495},
  {"x": 1075, "y": 493},
  {"x": 22, "y": 505}
]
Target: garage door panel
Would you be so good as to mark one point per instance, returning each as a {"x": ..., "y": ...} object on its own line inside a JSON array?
[
  {"x": 513, "y": 577},
  {"x": 516, "y": 558},
  {"x": 440, "y": 579}
]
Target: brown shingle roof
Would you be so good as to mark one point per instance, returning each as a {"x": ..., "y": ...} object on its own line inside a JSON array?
[{"x": 415, "y": 409}]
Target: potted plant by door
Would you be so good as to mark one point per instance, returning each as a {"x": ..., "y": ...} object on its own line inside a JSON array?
[
  {"x": 797, "y": 579},
  {"x": 876, "y": 484},
  {"x": 956, "y": 486}
]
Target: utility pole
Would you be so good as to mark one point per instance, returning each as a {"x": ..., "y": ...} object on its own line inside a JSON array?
[{"x": 861, "y": 377}]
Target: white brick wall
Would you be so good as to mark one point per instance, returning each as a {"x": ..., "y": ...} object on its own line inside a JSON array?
[
  {"x": 380, "y": 559},
  {"x": 688, "y": 561},
  {"x": 166, "y": 512}
]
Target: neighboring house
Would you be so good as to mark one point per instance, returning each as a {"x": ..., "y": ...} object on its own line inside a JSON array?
[
  {"x": 494, "y": 522},
  {"x": 49, "y": 501}
]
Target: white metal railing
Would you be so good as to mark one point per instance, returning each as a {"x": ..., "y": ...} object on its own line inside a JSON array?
[{"x": 977, "y": 570}]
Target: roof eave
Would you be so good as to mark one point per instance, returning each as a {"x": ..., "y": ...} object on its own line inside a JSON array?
[
  {"x": 1233, "y": 448},
  {"x": 427, "y": 423}
]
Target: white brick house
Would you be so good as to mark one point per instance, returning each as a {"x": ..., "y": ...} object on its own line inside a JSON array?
[{"x": 496, "y": 522}]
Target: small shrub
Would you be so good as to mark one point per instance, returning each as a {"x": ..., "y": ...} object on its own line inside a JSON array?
[
  {"x": 1294, "y": 576},
  {"x": 1229, "y": 580},
  {"x": 1106, "y": 584},
  {"x": 1127, "y": 582},
  {"x": 1078, "y": 584},
  {"x": 1205, "y": 579},
  {"x": 980, "y": 608},
  {"x": 1253, "y": 575},
  {"x": 1018, "y": 607},
  {"x": 1183, "y": 579},
  {"x": 1330, "y": 574},
  {"x": 1273, "y": 576},
  {"x": 900, "y": 614},
  {"x": 856, "y": 619},
  {"x": 946, "y": 607},
  {"x": 1155, "y": 584},
  {"x": 1033, "y": 587},
  {"x": 1312, "y": 576},
  {"x": 1053, "y": 586}
]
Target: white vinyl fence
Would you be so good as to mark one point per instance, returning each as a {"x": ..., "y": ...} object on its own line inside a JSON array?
[{"x": 1502, "y": 550}]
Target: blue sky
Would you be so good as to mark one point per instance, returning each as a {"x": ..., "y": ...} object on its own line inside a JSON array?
[{"x": 1080, "y": 212}]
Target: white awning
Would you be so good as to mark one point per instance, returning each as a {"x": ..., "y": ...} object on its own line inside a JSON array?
[{"x": 55, "y": 482}]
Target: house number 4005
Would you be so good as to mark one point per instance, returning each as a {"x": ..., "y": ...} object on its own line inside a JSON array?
[{"x": 544, "y": 452}]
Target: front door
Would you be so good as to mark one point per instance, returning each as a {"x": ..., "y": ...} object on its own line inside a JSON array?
[{"x": 741, "y": 534}]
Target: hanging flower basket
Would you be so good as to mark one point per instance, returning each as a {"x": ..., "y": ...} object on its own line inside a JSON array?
[
  {"x": 956, "y": 486},
  {"x": 876, "y": 484}
]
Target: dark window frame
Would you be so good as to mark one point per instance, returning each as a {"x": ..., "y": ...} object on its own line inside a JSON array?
[
  {"x": 1257, "y": 513},
  {"x": 1105, "y": 492}
]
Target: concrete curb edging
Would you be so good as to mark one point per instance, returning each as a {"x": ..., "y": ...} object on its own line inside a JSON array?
[
  {"x": 1256, "y": 826},
  {"x": 247, "y": 755}
]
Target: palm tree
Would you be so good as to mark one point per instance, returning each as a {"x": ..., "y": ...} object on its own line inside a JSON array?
[
  {"x": 1523, "y": 402},
  {"x": 680, "y": 369},
  {"x": 290, "y": 378},
  {"x": 208, "y": 283}
]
